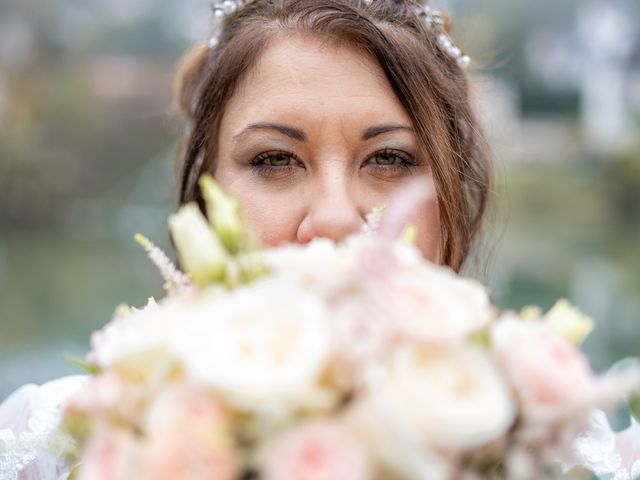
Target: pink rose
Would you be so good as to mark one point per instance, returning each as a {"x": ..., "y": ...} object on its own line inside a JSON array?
[
  {"x": 106, "y": 398},
  {"x": 181, "y": 456},
  {"x": 186, "y": 407},
  {"x": 110, "y": 455},
  {"x": 319, "y": 450},
  {"x": 425, "y": 304},
  {"x": 433, "y": 305},
  {"x": 545, "y": 369},
  {"x": 188, "y": 437},
  {"x": 101, "y": 394}
]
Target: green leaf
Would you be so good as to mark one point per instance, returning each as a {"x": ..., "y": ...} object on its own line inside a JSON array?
[
  {"x": 481, "y": 339},
  {"x": 87, "y": 367},
  {"x": 634, "y": 406},
  {"x": 73, "y": 474}
]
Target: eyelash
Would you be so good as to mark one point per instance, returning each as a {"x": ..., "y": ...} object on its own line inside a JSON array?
[
  {"x": 407, "y": 162},
  {"x": 262, "y": 169}
]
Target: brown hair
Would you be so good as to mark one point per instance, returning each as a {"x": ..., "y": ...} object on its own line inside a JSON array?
[{"x": 433, "y": 89}]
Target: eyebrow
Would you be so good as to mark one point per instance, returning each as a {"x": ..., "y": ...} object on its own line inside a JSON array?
[
  {"x": 372, "y": 132},
  {"x": 294, "y": 133},
  {"x": 299, "y": 135}
]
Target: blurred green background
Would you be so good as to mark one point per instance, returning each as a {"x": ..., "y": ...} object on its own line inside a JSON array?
[{"x": 87, "y": 143}]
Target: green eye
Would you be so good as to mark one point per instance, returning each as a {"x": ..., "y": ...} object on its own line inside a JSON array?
[
  {"x": 386, "y": 158},
  {"x": 279, "y": 159},
  {"x": 390, "y": 158},
  {"x": 275, "y": 164},
  {"x": 390, "y": 163}
]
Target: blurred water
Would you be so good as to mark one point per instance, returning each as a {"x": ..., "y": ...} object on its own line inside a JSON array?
[
  {"x": 87, "y": 144},
  {"x": 38, "y": 365}
]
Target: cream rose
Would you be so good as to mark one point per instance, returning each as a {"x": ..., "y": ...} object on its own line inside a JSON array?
[
  {"x": 264, "y": 346},
  {"x": 452, "y": 398},
  {"x": 320, "y": 264},
  {"x": 394, "y": 456},
  {"x": 156, "y": 328}
]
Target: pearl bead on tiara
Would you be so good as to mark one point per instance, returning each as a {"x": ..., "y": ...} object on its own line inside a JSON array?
[{"x": 432, "y": 19}]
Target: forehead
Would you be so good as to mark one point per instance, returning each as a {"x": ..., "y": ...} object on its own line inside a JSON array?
[{"x": 302, "y": 75}]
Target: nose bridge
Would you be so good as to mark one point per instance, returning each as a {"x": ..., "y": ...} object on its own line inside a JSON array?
[
  {"x": 332, "y": 185},
  {"x": 333, "y": 207}
]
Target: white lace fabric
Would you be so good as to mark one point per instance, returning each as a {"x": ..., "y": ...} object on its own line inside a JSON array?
[
  {"x": 30, "y": 446},
  {"x": 610, "y": 455}
]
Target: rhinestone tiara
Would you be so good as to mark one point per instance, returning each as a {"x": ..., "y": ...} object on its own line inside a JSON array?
[{"x": 433, "y": 20}]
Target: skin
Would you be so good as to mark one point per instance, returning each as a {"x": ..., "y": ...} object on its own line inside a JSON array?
[{"x": 313, "y": 139}]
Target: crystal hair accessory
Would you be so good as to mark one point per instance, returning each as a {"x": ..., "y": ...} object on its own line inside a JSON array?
[
  {"x": 433, "y": 20},
  {"x": 222, "y": 9}
]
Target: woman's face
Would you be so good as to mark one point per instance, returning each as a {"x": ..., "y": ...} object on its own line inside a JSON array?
[{"x": 314, "y": 139}]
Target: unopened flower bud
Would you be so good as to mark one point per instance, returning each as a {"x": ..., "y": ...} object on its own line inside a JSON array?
[
  {"x": 224, "y": 214},
  {"x": 200, "y": 251},
  {"x": 569, "y": 322}
]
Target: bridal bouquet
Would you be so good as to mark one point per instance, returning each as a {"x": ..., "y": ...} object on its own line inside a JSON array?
[{"x": 357, "y": 360}]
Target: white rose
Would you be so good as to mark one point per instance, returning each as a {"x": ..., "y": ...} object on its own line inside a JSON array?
[
  {"x": 264, "y": 347},
  {"x": 157, "y": 327},
  {"x": 126, "y": 334},
  {"x": 452, "y": 398},
  {"x": 320, "y": 263}
]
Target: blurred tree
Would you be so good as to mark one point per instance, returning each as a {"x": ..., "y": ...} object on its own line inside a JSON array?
[{"x": 623, "y": 180}]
